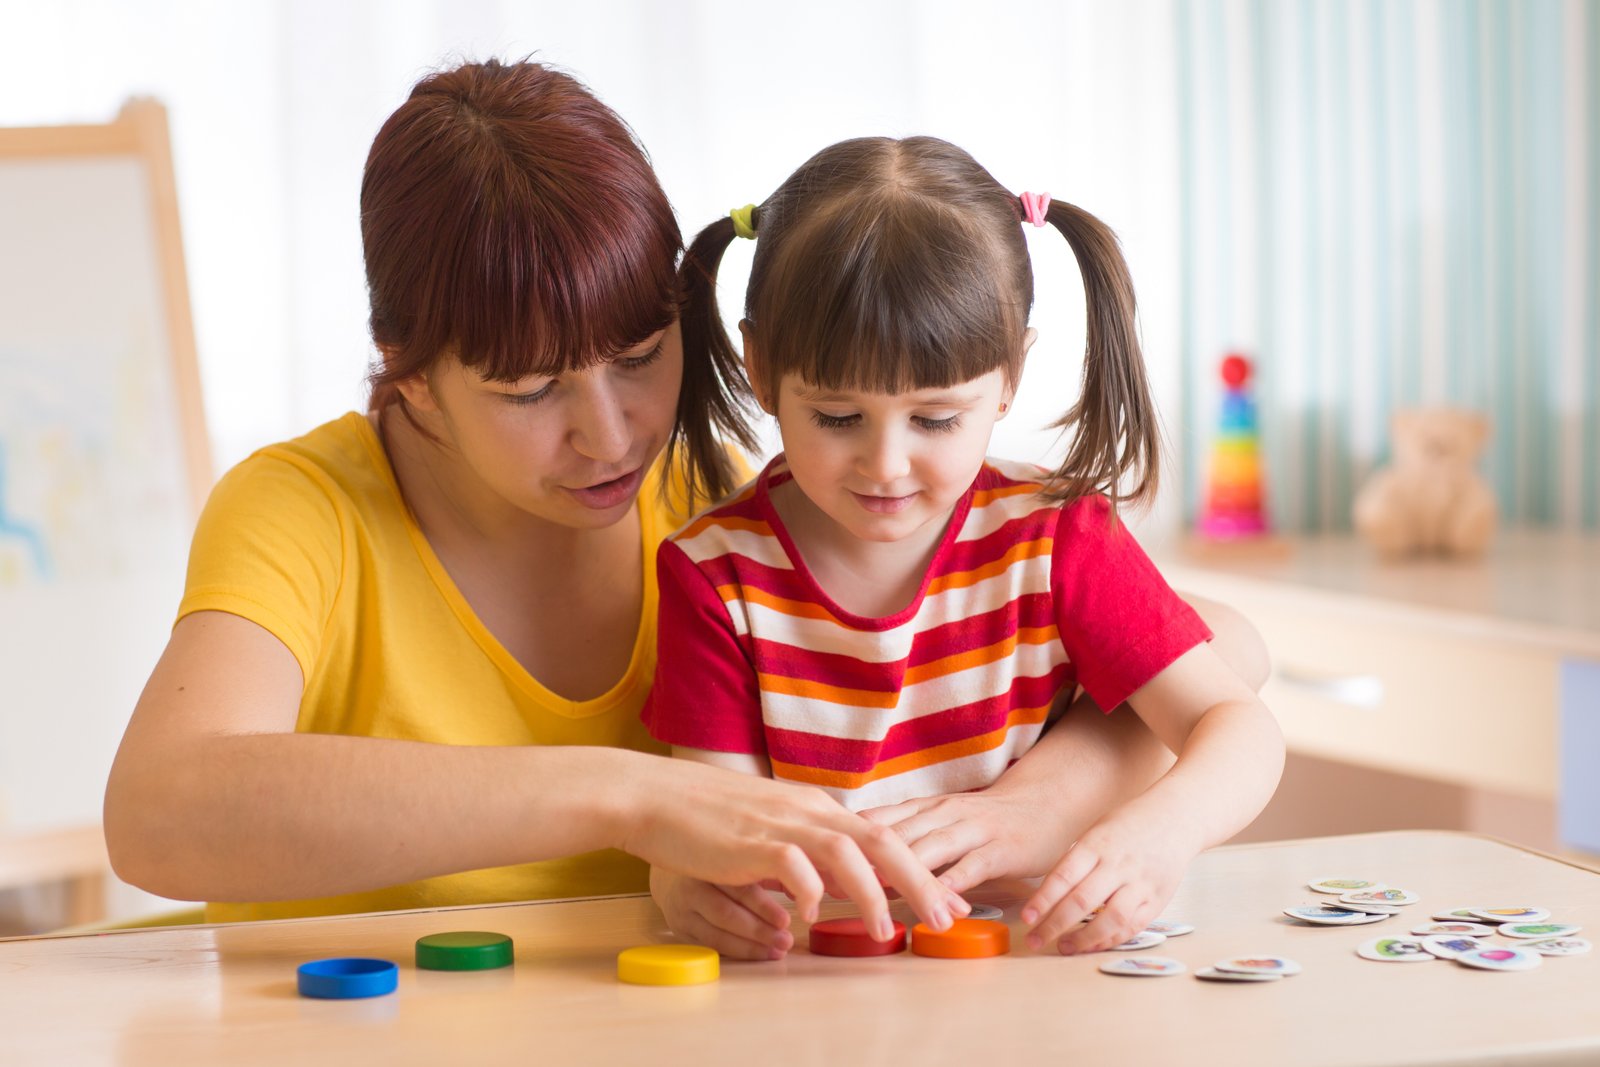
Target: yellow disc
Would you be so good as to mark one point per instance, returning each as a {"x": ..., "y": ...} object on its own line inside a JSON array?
[{"x": 668, "y": 965}]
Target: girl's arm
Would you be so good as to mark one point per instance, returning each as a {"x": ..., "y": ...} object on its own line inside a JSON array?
[
  {"x": 213, "y": 796},
  {"x": 1083, "y": 766},
  {"x": 1230, "y": 757}
]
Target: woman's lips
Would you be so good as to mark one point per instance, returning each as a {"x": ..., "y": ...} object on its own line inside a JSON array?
[{"x": 605, "y": 495}]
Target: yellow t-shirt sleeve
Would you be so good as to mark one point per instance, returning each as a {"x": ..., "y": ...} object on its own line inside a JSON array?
[{"x": 269, "y": 548}]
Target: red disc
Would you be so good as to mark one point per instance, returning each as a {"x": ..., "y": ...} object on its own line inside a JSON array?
[{"x": 849, "y": 937}]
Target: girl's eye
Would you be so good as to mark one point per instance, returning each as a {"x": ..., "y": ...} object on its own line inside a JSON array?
[
  {"x": 524, "y": 399},
  {"x": 949, "y": 425},
  {"x": 833, "y": 422}
]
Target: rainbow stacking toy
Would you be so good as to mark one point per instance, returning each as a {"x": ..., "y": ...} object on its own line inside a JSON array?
[{"x": 1235, "y": 506}]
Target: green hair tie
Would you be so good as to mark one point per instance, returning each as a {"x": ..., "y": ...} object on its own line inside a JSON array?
[{"x": 744, "y": 221}]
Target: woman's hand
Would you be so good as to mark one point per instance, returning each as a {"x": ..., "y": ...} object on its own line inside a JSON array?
[
  {"x": 742, "y": 922},
  {"x": 732, "y": 829}
]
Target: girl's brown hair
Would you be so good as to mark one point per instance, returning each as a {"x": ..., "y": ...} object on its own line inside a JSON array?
[
  {"x": 511, "y": 219},
  {"x": 892, "y": 265}
]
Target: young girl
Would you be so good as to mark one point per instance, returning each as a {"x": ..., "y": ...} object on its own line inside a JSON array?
[{"x": 883, "y": 613}]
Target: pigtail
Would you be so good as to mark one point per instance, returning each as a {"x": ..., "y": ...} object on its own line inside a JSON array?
[
  {"x": 713, "y": 403},
  {"x": 1116, "y": 438}
]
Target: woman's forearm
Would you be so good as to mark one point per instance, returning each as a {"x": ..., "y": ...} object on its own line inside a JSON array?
[{"x": 291, "y": 816}]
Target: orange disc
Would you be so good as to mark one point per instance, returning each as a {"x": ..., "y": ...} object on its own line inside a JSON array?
[{"x": 967, "y": 939}]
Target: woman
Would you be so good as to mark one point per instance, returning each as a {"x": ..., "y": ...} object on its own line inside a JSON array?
[{"x": 413, "y": 645}]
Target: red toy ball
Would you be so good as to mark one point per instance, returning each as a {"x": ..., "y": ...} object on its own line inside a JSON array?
[{"x": 1235, "y": 370}]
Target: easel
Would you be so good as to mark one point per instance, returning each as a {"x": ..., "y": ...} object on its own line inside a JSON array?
[{"x": 76, "y": 855}]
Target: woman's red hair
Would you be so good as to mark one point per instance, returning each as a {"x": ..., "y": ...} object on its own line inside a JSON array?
[{"x": 511, "y": 219}]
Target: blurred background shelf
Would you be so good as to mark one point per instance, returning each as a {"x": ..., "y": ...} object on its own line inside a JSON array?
[{"x": 1429, "y": 692}]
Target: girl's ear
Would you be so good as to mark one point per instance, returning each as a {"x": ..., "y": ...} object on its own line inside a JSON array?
[{"x": 752, "y": 368}]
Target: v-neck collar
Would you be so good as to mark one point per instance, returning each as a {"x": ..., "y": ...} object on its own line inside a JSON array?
[{"x": 638, "y": 660}]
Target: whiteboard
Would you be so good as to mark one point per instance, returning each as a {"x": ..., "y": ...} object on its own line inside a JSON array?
[{"x": 103, "y": 455}]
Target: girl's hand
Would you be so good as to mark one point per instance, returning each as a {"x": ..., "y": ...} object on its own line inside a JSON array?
[
  {"x": 1129, "y": 863},
  {"x": 741, "y": 922},
  {"x": 996, "y": 833},
  {"x": 734, "y": 829}
]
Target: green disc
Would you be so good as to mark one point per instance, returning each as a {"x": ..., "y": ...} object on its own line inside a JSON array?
[{"x": 463, "y": 950}]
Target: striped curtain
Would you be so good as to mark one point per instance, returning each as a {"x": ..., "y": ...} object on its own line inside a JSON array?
[{"x": 1390, "y": 203}]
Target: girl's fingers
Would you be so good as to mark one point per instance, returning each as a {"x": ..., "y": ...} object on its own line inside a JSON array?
[
  {"x": 1083, "y": 898},
  {"x": 757, "y": 901},
  {"x": 892, "y": 814},
  {"x": 733, "y": 909},
  {"x": 1073, "y": 868},
  {"x": 1122, "y": 918},
  {"x": 947, "y": 844},
  {"x": 697, "y": 929},
  {"x": 915, "y": 826},
  {"x": 970, "y": 870}
]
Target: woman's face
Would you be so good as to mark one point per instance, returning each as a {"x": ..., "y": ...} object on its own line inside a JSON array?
[{"x": 572, "y": 449}]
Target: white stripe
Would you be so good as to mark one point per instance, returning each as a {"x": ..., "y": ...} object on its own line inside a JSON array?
[
  {"x": 856, "y": 723},
  {"x": 830, "y": 636},
  {"x": 953, "y": 776},
  {"x": 715, "y": 541}
]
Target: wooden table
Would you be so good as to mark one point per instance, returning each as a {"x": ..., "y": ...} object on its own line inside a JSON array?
[{"x": 226, "y": 994}]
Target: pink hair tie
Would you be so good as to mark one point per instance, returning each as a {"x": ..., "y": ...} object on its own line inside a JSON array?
[{"x": 1034, "y": 206}]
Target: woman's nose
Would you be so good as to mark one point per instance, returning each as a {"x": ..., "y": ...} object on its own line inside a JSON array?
[{"x": 599, "y": 422}]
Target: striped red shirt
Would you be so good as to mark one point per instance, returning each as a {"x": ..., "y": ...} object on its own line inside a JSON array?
[{"x": 1025, "y": 601}]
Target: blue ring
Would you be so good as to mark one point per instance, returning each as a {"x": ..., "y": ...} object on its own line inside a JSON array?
[{"x": 347, "y": 978}]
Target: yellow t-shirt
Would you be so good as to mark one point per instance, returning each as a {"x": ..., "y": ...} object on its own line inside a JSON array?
[{"x": 311, "y": 540}]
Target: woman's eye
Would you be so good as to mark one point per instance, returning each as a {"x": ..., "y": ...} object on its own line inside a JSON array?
[
  {"x": 524, "y": 399},
  {"x": 949, "y": 425},
  {"x": 833, "y": 422},
  {"x": 640, "y": 362}
]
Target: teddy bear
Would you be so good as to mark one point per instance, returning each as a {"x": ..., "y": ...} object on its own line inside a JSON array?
[{"x": 1430, "y": 499}]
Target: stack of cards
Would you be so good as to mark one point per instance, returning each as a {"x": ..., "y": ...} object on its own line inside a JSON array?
[
  {"x": 1249, "y": 969},
  {"x": 1360, "y": 901}
]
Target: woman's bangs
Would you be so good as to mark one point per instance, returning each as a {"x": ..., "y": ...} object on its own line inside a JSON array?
[{"x": 547, "y": 303}]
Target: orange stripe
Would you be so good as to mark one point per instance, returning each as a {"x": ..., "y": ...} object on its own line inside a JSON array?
[
  {"x": 977, "y": 657},
  {"x": 984, "y": 497},
  {"x": 801, "y": 609},
  {"x": 725, "y": 522},
  {"x": 1039, "y": 546},
  {"x": 833, "y": 694},
  {"x": 911, "y": 761}
]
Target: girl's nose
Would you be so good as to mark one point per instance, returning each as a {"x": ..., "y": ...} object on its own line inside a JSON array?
[{"x": 886, "y": 459}]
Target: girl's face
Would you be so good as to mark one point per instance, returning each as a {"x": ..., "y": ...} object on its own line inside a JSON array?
[
  {"x": 572, "y": 449},
  {"x": 883, "y": 465}
]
